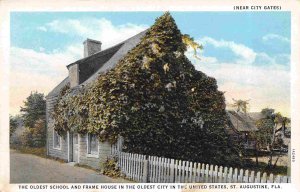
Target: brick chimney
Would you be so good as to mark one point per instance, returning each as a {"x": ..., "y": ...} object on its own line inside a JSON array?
[{"x": 91, "y": 47}]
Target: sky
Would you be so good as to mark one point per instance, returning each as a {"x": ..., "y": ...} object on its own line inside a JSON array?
[{"x": 247, "y": 52}]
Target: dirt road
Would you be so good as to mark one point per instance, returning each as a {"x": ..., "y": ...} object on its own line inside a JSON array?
[{"x": 26, "y": 168}]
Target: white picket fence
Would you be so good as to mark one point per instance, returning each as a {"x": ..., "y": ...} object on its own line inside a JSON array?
[
  {"x": 142, "y": 168},
  {"x": 117, "y": 147}
]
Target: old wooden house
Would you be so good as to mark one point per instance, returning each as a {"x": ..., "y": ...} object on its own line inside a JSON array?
[{"x": 85, "y": 148}]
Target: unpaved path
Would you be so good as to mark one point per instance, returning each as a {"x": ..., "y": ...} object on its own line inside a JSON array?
[{"x": 26, "y": 168}]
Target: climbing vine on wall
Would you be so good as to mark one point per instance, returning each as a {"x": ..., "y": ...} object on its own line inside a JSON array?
[{"x": 156, "y": 100}]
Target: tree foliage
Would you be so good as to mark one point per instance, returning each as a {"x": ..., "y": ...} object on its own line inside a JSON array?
[
  {"x": 156, "y": 100},
  {"x": 189, "y": 41},
  {"x": 13, "y": 124},
  {"x": 34, "y": 108},
  {"x": 241, "y": 105},
  {"x": 265, "y": 137},
  {"x": 35, "y": 136}
]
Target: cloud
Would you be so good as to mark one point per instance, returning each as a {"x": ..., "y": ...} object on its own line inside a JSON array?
[
  {"x": 264, "y": 85},
  {"x": 257, "y": 76},
  {"x": 23, "y": 83},
  {"x": 42, "y": 28},
  {"x": 36, "y": 71},
  {"x": 271, "y": 37},
  {"x": 244, "y": 53},
  {"x": 250, "y": 75},
  {"x": 42, "y": 70},
  {"x": 99, "y": 29},
  {"x": 283, "y": 59},
  {"x": 264, "y": 59},
  {"x": 31, "y": 61}
]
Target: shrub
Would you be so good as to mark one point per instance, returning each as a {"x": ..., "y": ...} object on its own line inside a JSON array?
[
  {"x": 36, "y": 136},
  {"x": 110, "y": 167}
]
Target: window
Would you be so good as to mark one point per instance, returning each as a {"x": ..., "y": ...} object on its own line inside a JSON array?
[
  {"x": 56, "y": 140},
  {"x": 92, "y": 144}
]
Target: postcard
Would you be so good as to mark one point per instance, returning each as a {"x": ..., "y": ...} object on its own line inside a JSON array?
[{"x": 133, "y": 96}]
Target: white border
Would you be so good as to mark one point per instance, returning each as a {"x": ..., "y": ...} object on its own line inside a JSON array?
[{"x": 6, "y": 6}]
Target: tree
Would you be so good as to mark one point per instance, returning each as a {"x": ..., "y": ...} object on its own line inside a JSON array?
[
  {"x": 262, "y": 137},
  {"x": 35, "y": 136},
  {"x": 13, "y": 124},
  {"x": 285, "y": 121},
  {"x": 34, "y": 109},
  {"x": 241, "y": 105},
  {"x": 268, "y": 113},
  {"x": 39, "y": 133},
  {"x": 26, "y": 137},
  {"x": 265, "y": 136}
]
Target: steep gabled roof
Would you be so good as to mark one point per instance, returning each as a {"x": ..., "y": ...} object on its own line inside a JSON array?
[
  {"x": 112, "y": 62},
  {"x": 117, "y": 52},
  {"x": 243, "y": 122},
  {"x": 57, "y": 89}
]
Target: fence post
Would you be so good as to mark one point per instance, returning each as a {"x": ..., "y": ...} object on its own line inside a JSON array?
[
  {"x": 264, "y": 178},
  {"x": 220, "y": 175},
  {"x": 271, "y": 178},
  {"x": 145, "y": 171},
  {"x": 172, "y": 167},
  {"x": 257, "y": 179},
  {"x": 277, "y": 179},
  {"x": 252, "y": 177}
]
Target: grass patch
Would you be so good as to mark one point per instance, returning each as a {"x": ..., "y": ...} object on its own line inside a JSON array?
[
  {"x": 262, "y": 167},
  {"x": 250, "y": 164},
  {"x": 41, "y": 151}
]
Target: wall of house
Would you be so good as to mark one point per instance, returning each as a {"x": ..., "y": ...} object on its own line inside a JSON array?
[
  {"x": 91, "y": 160},
  {"x": 74, "y": 75},
  {"x": 105, "y": 148},
  {"x": 61, "y": 153}
]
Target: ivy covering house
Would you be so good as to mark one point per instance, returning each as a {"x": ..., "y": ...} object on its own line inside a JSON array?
[{"x": 143, "y": 96}]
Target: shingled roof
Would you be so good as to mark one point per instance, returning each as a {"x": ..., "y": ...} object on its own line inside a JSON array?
[
  {"x": 116, "y": 53},
  {"x": 244, "y": 121}
]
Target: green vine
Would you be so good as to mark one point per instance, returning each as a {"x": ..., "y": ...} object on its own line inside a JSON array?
[
  {"x": 155, "y": 99},
  {"x": 190, "y": 42}
]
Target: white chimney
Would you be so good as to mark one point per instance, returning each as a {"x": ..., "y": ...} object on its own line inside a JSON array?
[{"x": 91, "y": 47}]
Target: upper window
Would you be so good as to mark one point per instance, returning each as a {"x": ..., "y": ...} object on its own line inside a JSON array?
[
  {"x": 92, "y": 146},
  {"x": 56, "y": 140}
]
